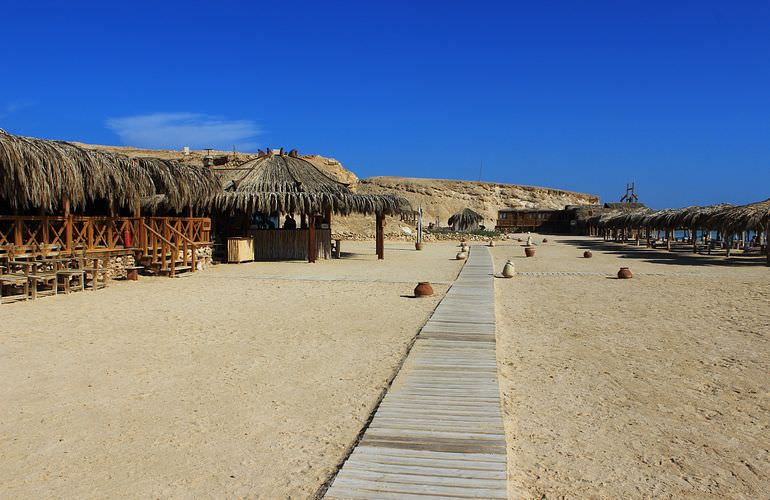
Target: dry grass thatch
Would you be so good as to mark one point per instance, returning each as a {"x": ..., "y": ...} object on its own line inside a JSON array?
[
  {"x": 754, "y": 216},
  {"x": 465, "y": 219},
  {"x": 697, "y": 217},
  {"x": 723, "y": 216},
  {"x": 286, "y": 183},
  {"x": 39, "y": 173}
]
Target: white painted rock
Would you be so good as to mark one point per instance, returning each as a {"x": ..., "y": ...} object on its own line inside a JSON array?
[
  {"x": 462, "y": 255},
  {"x": 508, "y": 270}
]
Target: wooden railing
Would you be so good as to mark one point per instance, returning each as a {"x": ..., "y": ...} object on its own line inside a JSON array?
[
  {"x": 151, "y": 235},
  {"x": 167, "y": 241}
]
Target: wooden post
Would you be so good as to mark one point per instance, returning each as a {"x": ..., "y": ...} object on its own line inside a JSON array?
[
  {"x": 17, "y": 236},
  {"x": 44, "y": 222},
  {"x": 694, "y": 232},
  {"x": 139, "y": 236},
  {"x": 311, "y": 246},
  {"x": 668, "y": 239},
  {"x": 380, "y": 243},
  {"x": 767, "y": 244},
  {"x": 68, "y": 225},
  {"x": 110, "y": 234}
]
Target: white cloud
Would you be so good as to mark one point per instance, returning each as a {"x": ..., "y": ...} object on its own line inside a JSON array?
[
  {"x": 176, "y": 130},
  {"x": 13, "y": 106}
]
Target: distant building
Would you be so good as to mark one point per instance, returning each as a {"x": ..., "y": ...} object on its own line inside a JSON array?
[{"x": 512, "y": 220}]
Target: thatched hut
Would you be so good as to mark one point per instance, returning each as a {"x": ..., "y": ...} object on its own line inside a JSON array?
[
  {"x": 466, "y": 220},
  {"x": 265, "y": 194},
  {"x": 58, "y": 195}
]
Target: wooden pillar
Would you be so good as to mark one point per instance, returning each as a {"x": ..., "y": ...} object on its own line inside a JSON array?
[
  {"x": 668, "y": 239},
  {"x": 311, "y": 245},
  {"x": 694, "y": 240},
  {"x": 68, "y": 225},
  {"x": 18, "y": 238},
  {"x": 44, "y": 227},
  {"x": 139, "y": 234},
  {"x": 190, "y": 233},
  {"x": 767, "y": 244},
  {"x": 380, "y": 240},
  {"x": 110, "y": 235}
]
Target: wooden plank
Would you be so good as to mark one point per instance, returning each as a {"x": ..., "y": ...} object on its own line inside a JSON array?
[{"x": 438, "y": 433}]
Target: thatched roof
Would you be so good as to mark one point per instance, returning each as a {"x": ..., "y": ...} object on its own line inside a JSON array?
[
  {"x": 39, "y": 173},
  {"x": 278, "y": 182},
  {"x": 465, "y": 218},
  {"x": 741, "y": 218},
  {"x": 698, "y": 216},
  {"x": 723, "y": 215}
]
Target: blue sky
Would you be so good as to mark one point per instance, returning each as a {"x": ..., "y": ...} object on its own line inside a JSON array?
[{"x": 580, "y": 95}]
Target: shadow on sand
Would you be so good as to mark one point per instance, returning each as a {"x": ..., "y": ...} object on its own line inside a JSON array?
[{"x": 679, "y": 254}]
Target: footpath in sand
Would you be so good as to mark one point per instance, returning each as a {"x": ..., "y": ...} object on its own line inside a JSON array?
[
  {"x": 651, "y": 387},
  {"x": 438, "y": 433},
  {"x": 247, "y": 380}
]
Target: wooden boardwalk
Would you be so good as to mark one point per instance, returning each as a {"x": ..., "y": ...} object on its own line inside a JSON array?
[{"x": 438, "y": 433}]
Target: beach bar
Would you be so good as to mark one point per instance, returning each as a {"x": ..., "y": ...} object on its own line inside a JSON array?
[{"x": 285, "y": 204}]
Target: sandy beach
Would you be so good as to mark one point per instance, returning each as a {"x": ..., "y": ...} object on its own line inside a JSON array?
[
  {"x": 650, "y": 387},
  {"x": 244, "y": 380},
  {"x": 256, "y": 379}
]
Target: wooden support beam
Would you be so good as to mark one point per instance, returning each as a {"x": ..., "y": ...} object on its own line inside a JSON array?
[
  {"x": 68, "y": 225},
  {"x": 767, "y": 244},
  {"x": 311, "y": 244},
  {"x": 380, "y": 236},
  {"x": 694, "y": 234}
]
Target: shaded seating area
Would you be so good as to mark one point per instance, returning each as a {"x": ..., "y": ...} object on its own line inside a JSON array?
[
  {"x": 284, "y": 204},
  {"x": 707, "y": 229},
  {"x": 69, "y": 213},
  {"x": 31, "y": 277}
]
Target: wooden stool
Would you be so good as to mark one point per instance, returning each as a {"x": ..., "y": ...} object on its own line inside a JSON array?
[
  {"x": 96, "y": 272},
  {"x": 11, "y": 280},
  {"x": 78, "y": 275},
  {"x": 132, "y": 272},
  {"x": 46, "y": 278}
]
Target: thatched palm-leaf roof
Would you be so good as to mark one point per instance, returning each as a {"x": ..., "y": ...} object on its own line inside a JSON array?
[
  {"x": 697, "y": 216},
  {"x": 182, "y": 185},
  {"x": 39, "y": 173},
  {"x": 741, "y": 218},
  {"x": 276, "y": 182},
  {"x": 465, "y": 218}
]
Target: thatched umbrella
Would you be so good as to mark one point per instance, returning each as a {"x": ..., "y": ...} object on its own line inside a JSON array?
[
  {"x": 696, "y": 217},
  {"x": 753, "y": 216},
  {"x": 741, "y": 218},
  {"x": 278, "y": 182},
  {"x": 465, "y": 220}
]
